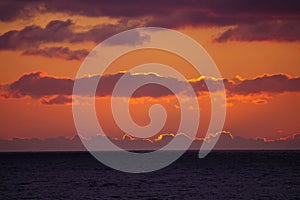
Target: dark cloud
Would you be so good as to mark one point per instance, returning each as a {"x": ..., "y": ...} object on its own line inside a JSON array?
[
  {"x": 277, "y": 83},
  {"x": 229, "y": 141},
  {"x": 33, "y": 36},
  {"x": 170, "y": 14},
  {"x": 278, "y": 30},
  {"x": 209, "y": 11},
  {"x": 58, "y": 52},
  {"x": 149, "y": 90},
  {"x": 99, "y": 33},
  {"x": 226, "y": 141},
  {"x": 11, "y": 10},
  {"x": 38, "y": 85},
  {"x": 51, "y": 144}
]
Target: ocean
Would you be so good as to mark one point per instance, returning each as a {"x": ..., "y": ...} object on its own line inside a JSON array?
[{"x": 220, "y": 175}]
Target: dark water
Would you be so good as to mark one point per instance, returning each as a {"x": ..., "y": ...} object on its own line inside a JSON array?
[{"x": 221, "y": 175}]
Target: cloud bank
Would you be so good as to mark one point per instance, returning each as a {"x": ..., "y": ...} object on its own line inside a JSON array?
[
  {"x": 194, "y": 12},
  {"x": 226, "y": 142},
  {"x": 39, "y": 85},
  {"x": 249, "y": 20}
]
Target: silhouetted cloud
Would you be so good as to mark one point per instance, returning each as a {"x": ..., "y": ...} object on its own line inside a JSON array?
[
  {"x": 226, "y": 141},
  {"x": 288, "y": 30},
  {"x": 39, "y": 85},
  {"x": 58, "y": 52},
  {"x": 50, "y": 144}
]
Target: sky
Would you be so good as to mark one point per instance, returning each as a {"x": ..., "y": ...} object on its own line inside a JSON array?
[{"x": 255, "y": 44}]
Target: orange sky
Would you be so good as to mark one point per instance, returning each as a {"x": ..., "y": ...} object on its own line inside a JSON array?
[{"x": 266, "y": 114}]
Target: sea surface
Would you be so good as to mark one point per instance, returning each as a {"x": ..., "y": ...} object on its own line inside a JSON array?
[{"x": 220, "y": 175}]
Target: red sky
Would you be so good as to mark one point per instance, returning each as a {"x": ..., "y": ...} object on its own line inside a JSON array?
[{"x": 257, "y": 50}]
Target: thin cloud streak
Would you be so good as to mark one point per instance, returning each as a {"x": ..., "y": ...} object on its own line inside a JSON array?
[{"x": 58, "y": 52}]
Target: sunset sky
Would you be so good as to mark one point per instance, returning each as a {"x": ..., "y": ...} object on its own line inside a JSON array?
[{"x": 255, "y": 44}]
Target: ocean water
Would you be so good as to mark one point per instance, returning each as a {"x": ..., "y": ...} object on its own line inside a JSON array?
[{"x": 220, "y": 175}]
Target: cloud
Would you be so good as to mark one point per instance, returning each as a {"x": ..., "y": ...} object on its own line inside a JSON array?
[
  {"x": 177, "y": 12},
  {"x": 290, "y": 142},
  {"x": 58, "y": 52},
  {"x": 50, "y": 144},
  {"x": 60, "y": 99},
  {"x": 226, "y": 141},
  {"x": 132, "y": 38},
  {"x": 276, "y": 83},
  {"x": 33, "y": 36},
  {"x": 277, "y": 30},
  {"x": 38, "y": 85},
  {"x": 255, "y": 19},
  {"x": 10, "y": 10}
]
